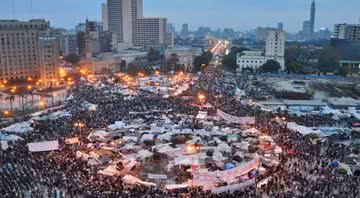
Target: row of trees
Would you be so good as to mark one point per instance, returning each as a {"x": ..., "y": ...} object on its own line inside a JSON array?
[
  {"x": 297, "y": 60},
  {"x": 325, "y": 60}
]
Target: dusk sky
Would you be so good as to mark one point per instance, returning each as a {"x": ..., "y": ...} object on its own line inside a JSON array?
[{"x": 237, "y": 14}]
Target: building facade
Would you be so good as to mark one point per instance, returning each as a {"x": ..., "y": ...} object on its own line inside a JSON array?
[
  {"x": 275, "y": 47},
  {"x": 274, "y": 50},
  {"x": 186, "y": 55},
  {"x": 129, "y": 28},
  {"x": 185, "y": 30},
  {"x": 27, "y": 50},
  {"x": 49, "y": 60},
  {"x": 349, "y": 32},
  {"x": 250, "y": 60},
  {"x": 68, "y": 44},
  {"x": 104, "y": 16}
]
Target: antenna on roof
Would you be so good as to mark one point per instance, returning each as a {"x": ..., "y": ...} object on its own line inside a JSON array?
[
  {"x": 13, "y": 8},
  {"x": 31, "y": 9}
]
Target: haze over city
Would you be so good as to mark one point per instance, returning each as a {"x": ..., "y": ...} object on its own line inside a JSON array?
[{"x": 238, "y": 14}]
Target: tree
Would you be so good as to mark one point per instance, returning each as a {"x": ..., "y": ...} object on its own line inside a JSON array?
[
  {"x": 72, "y": 58},
  {"x": 295, "y": 59},
  {"x": 171, "y": 62},
  {"x": 122, "y": 65},
  {"x": 229, "y": 61},
  {"x": 328, "y": 60},
  {"x": 202, "y": 60},
  {"x": 153, "y": 55},
  {"x": 271, "y": 66},
  {"x": 342, "y": 71}
]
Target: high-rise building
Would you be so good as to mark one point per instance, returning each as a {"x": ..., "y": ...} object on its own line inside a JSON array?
[
  {"x": 275, "y": 46},
  {"x": 280, "y": 26},
  {"x": 27, "y": 50},
  {"x": 120, "y": 20},
  {"x": 171, "y": 28},
  {"x": 306, "y": 29},
  {"x": 347, "y": 31},
  {"x": 104, "y": 16},
  {"x": 92, "y": 39},
  {"x": 49, "y": 59},
  {"x": 184, "y": 30},
  {"x": 68, "y": 44},
  {"x": 129, "y": 28},
  {"x": 261, "y": 32},
  {"x": 274, "y": 50},
  {"x": 312, "y": 19}
]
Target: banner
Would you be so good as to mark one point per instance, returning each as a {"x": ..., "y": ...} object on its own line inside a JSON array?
[
  {"x": 234, "y": 187},
  {"x": 43, "y": 146},
  {"x": 234, "y": 119},
  {"x": 208, "y": 179},
  {"x": 232, "y": 174},
  {"x": 157, "y": 177},
  {"x": 72, "y": 141}
]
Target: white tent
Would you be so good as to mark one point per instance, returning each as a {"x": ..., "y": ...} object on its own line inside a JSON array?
[{"x": 43, "y": 146}]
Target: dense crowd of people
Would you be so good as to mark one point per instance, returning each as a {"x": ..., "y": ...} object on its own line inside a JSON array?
[{"x": 305, "y": 168}]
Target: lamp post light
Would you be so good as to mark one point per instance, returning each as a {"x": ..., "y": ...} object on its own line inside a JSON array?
[
  {"x": 79, "y": 126},
  {"x": 201, "y": 98},
  {"x": 42, "y": 104}
]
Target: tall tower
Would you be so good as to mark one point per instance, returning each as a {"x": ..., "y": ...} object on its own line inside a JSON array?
[
  {"x": 312, "y": 19},
  {"x": 121, "y": 14}
]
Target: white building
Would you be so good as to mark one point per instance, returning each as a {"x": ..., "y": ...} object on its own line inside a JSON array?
[
  {"x": 128, "y": 55},
  {"x": 275, "y": 47},
  {"x": 186, "y": 55},
  {"x": 250, "y": 60},
  {"x": 274, "y": 50},
  {"x": 26, "y": 50}
]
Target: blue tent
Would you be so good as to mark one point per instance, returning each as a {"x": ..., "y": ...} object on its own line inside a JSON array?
[
  {"x": 335, "y": 164},
  {"x": 228, "y": 166},
  {"x": 148, "y": 89}
]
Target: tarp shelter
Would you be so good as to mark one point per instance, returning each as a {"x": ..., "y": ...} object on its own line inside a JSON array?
[
  {"x": 129, "y": 179},
  {"x": 234, "y": 187},
  {"x": 43, "y": 146},
  {"x": 110, "y": 171},
  {"x": 72, "y": 141},
  {"x": 176, "y": 186},
  {"x": 201, "y": 115},
  {"x": 229, "y": 166},
  {"x": 234, "y": 119}
]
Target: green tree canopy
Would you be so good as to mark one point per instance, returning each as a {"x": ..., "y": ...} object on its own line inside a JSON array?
[
  {"x": 328, "y": 60},
  {"x": 72, "y": 58},
  {"x": 229, "y": 61},
  {"x": 271, "y": 66},
  {"x": 202, "y": 60},
  {"x": 342, "y": 71},
  {"x": 153, "y": 55},
  {"x": 295, "y": 59}
]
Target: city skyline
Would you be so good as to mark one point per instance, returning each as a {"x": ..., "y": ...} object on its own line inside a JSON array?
[{"x": 292, "y": 14}]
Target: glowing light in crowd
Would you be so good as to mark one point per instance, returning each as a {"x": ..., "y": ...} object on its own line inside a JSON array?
[
  {"x": 42, "y": 104},
  {"x": 201, "y": 97}
]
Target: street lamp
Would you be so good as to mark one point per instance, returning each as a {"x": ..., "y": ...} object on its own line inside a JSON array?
[
  {"x": 201, "y": 98},
  {"x": 6, "y": 113},
  {"x": 42, "y": 104}
]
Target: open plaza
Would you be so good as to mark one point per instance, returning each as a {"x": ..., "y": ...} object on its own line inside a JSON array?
[{"x": 206, "y": 135}]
